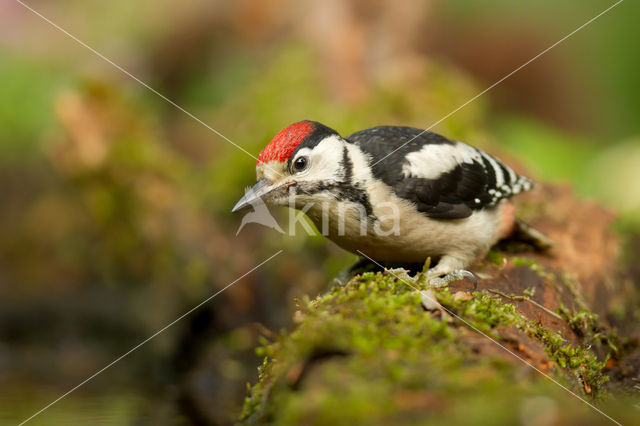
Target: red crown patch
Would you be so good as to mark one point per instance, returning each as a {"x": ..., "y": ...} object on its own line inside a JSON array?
[{"x": 286, "y": 141}]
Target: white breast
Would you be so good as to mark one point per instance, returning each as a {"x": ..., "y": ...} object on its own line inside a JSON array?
[
  {"x": 400, "y": 232},
  {"x": 404, "y": 234}
]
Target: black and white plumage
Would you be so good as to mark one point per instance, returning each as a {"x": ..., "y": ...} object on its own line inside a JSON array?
[
  {"x": 445, "y": 179},
  {"x": 392, "y": 193}
]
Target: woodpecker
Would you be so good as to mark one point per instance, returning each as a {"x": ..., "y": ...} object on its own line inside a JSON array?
[{"x": 391, "y": 193}]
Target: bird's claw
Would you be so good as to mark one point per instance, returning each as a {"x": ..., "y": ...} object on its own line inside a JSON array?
[{"x": 457, "y": 275}]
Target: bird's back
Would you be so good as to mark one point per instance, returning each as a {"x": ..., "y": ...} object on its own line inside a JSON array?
[{"x": 444, "y": 178}]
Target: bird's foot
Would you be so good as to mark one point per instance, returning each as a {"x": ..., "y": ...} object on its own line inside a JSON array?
[{"x": 438, "y": 281}]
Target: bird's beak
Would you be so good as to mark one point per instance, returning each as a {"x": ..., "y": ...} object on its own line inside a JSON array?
[{"x": 254, "y": 195}]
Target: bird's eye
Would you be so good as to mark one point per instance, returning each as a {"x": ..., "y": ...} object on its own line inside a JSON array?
[{"x": 300, "y": 164}]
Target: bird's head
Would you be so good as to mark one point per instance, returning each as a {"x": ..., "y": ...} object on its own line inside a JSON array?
[{"x": 300, "y": 164}]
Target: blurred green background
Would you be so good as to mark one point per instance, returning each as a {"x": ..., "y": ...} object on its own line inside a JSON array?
[{"x": 116, "y": 205}]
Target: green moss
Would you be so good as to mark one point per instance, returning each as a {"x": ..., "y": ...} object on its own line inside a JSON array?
[
  {"x": 587, "y": 325},
  {"x": 534, "y": 266},
  {"x": 495, "y": 256},
  {"x": 371, "y": 339},
  {"x": 256, "y": 398},
  {"x": 580, "y": 362}
]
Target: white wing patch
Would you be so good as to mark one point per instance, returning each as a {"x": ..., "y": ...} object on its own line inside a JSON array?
[
  {"x": 434, "y": 160},
  {"x": 500, "y": 182}
]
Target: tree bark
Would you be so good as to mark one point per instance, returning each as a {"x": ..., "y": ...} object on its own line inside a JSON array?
[{"x": 534, "y": 344}]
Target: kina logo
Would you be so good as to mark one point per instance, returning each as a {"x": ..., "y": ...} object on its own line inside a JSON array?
[{"x": 260, "y": 215}]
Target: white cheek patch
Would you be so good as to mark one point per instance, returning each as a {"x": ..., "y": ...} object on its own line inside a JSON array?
[
  {"x": 324, "y": 160},
  {"x": 302, "y": 152},
  {"x": 434, "y": 160}
]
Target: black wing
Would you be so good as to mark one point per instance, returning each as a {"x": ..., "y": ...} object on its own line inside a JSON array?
[{"x": 445, "y": 179}]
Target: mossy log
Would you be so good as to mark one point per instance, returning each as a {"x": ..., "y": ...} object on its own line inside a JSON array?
[{"x": 532, "y": 345}]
